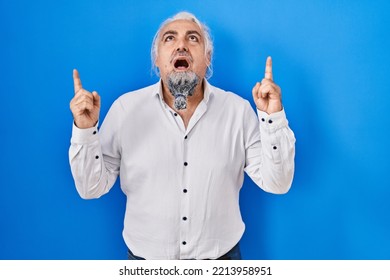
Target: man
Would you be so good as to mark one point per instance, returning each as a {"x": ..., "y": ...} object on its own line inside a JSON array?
[{"x": 181, "y": 147}]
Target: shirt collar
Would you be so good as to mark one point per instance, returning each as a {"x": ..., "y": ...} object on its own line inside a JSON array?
[{"x": 207, "y": 91}]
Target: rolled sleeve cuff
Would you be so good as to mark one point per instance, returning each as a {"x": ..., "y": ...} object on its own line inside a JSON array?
[{"x": 84, "y": 135}]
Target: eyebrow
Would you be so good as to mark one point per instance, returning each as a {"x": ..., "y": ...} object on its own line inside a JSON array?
[
  {"x": 169, "y": 32},
  {"x": 173, "y": 32},
  {"x": 190, "y": 32}
]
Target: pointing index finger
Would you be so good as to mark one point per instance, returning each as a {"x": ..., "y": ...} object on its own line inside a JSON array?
[
  {"x": 76, "y": 81},
  {"x": 268, "y": 69}
]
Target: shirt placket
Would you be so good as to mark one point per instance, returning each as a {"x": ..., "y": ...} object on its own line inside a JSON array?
[
  {"x": 185, "y": 238},
  {"x": 185, "y": 220}
]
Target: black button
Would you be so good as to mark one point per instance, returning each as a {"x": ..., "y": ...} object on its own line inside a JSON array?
[
  {"x": 184, "y": 243},
  {"x": 94, "y": 132},
  {"x": 184, "y": 218},
  {"x": 185, "y": 191},
  {"x": 262, "y": 119},
  {"x": 275, "y": 147},
  {"x": 270, "y": 121},
  {"x": 175, "y": 114},
  {"x": 97, "y": 157},
  {"x": 186, "y": 163},
  {"x": 185, "y": 137}
]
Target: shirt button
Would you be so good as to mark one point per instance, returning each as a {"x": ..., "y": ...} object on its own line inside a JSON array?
[
  {"x": 274, "y": 147},
  {"x": 262, "y": 119},
  {"x": 97, "y": 157},
  {"x": 184, "y": 218},
  {"x": 185, "y": 163},
  {"x": 185, "y": 137},
  {"x": 270, "y": 121},
  {"x": 94, "y": 132},
  {"x": 185, "y": 191},
  {"x": 184, "y": 243},
  {"x": 175, "y": 114}
]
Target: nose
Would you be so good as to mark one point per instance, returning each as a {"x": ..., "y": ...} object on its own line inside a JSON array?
[
  {"x": 182, "y": 49},
  {"x": 181, "y": 45}
]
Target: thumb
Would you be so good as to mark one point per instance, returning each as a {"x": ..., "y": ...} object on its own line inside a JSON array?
[
  {"x": 255, "y": 91},
  {"x": 96, "y": 99}
]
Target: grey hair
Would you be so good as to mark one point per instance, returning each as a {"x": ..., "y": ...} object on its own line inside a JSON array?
[{"x": 208, "y": 42}]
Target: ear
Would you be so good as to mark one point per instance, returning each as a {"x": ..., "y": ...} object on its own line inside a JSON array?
[
  {"x": 156, "y": 67},
  {"x": 156, "y": 64},
  {"x": 208, "y": 59}
]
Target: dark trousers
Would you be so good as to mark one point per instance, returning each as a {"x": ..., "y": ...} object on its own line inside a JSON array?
[{"x": 233, "y": 254}]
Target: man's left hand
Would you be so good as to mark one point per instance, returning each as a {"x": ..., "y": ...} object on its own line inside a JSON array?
[{"x": 267, "y": 95}]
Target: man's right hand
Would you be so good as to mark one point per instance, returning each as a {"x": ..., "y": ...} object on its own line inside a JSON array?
[{"x": 85, "y": 106}]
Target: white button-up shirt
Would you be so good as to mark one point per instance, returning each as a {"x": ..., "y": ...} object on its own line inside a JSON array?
[{"x": 182, "y": 184}]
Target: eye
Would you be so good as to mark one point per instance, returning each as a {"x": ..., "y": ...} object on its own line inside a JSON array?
[
  {"x": 193, "y": 38},
  {"x": 168, "y": 38}
]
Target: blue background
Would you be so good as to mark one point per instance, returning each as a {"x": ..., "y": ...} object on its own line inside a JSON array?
[{"x": 331, "y": 59}]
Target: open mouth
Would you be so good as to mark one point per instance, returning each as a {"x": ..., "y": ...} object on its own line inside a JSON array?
[{"x": 181, "y": 64}]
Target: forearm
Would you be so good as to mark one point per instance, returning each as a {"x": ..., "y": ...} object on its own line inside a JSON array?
[
  {"x": 92, "y": 175},
  {"x": 271, "y": 162}
]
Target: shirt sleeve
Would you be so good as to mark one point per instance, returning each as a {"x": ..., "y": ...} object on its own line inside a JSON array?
[
  {"x": 94, "y": 157},
  {"x": 270, "y": 150}
]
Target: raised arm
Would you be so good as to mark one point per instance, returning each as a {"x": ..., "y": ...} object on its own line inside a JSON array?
[{"x": 94, "y": 172}]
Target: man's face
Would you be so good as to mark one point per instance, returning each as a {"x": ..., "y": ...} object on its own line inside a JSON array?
[{"x": 181, "y": 48}]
